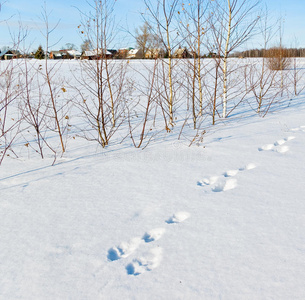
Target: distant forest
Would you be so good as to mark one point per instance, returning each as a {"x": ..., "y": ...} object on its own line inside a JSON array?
[{"x": 293, "y": 52}]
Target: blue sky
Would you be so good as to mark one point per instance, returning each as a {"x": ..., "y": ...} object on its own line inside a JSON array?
[{"x": 127, "y": 15}]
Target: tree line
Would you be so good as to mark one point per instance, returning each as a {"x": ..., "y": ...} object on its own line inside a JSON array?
[{"x": 290, "y": 52}]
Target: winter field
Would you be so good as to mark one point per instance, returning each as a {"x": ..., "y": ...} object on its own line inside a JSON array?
[{"x": 216, "y": 212}]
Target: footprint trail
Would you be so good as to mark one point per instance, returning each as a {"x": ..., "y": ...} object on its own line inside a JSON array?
[
  {"x": 153, "y": 235},
  {"x": 151, "y": 258},
  {"x": 178, "y": 217},
  {"x": 148, "y": 262},
  {"x": 278, "y": 146},
  {"x": 225, "y": 182},
  {"x": 124, "y": 249}
]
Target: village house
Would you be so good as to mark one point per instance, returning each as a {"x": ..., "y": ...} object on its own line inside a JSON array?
[
  {"x": 55, "y": 55},
  {"x": 70, "y": 54},
  {"x": 74, "y": 54},
  {"x": 155, "y": 53},
  {"x": 123, "y": 52},
  {"x": 182, "y": 53},
  {"x": 135, "y": 53},
  {"x": 113, "y": 52},
  {"x": 97, "y": 54},
  {"x": 213, "y": 55},
  {"x": 65, "y": 54},
  {"x": 10, "y": 54}
]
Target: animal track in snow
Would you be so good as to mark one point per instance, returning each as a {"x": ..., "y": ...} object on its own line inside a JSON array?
[
  {"x": 225, "y": 182},
  {"x": 124, "y": 249},
  {"x": 249, "y": 166},
  {"x": 280, "y": 142},
  {"x": 224, "y": 185},
  {"x": 290, "y": 138},
  {"x": 153, "y": 235},
  {"x": 230, "y": 173},
  {"x": 266, "y": 147},
  {"x": 178, "y": 217},
  {"x": 300, "y": 128},
  {"x": 151, "y": 259},
  {"x": 127, "y": 248},
  {"x": 148, "y": 262},
  {"x": 278, "y": 146},
  {"x": 282, "y": 149},
  {"x": 208, "y": 181}
]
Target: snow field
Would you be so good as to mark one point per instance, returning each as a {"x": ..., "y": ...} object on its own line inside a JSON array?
[{"x": 222, "y": 219}]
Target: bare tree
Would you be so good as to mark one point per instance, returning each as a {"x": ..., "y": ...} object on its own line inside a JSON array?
[
  {"x": 49, "y": 74},
  {"x": 144, "y": 38},
  {"x": 297, "y": 73},
  {"x": 86, "y": 46},
  {"x": 162, "y": 15},
  {"x": 69, "y": 46},
  {"x": 193, "y": 27},
  {"x": 212, "y": 85},
  {"x": 233, "y": 23}
]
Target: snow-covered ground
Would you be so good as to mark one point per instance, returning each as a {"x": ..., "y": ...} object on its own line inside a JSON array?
[{"x": 222, "y": 219}]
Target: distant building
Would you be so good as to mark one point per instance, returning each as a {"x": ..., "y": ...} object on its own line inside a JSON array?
[
  {"x": 213, "y": 55},
  {"x": 65, "y": 54},
  {"x": 123, "y": 52},
  {"x": 135, "y": 53},
  {"x": 70, "y": 54},
  {"x": 155, "y": 53},
  {"x": 10, "y": 54},
  {"x": 74, "y": 53},
  {"x": 182, "y": 53},
  {"x": 97, "y": 54},
  {"x": 113, "y": 52},
  {"x": 55, "y": 55}
]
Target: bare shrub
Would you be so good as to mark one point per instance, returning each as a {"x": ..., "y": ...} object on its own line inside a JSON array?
[
  {"x": 143, "y": 112},
  {"x": 278, "y": 58},
  {"x": 102, "y": 84},
  {"x": 101, "y": 90},
  {"x": 34, "y": 109},
  {"x": 9, "y": 120},
  {"x": 264, "y": 84}
]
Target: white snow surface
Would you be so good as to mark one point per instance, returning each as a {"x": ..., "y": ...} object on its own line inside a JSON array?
[{"x": 220, "y": 220}]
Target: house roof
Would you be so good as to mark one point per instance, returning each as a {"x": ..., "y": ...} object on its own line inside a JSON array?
[
  {"x": 154, "y": 51},
  {"x": 74, "y": 52},
  {"x": 9, "y": 52},
  {"x": 126, "y": 49},
  {"x": 97, "y": 52},
  {"x": 56, "y": 53},
  {"x": 133, "y": 51}
]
